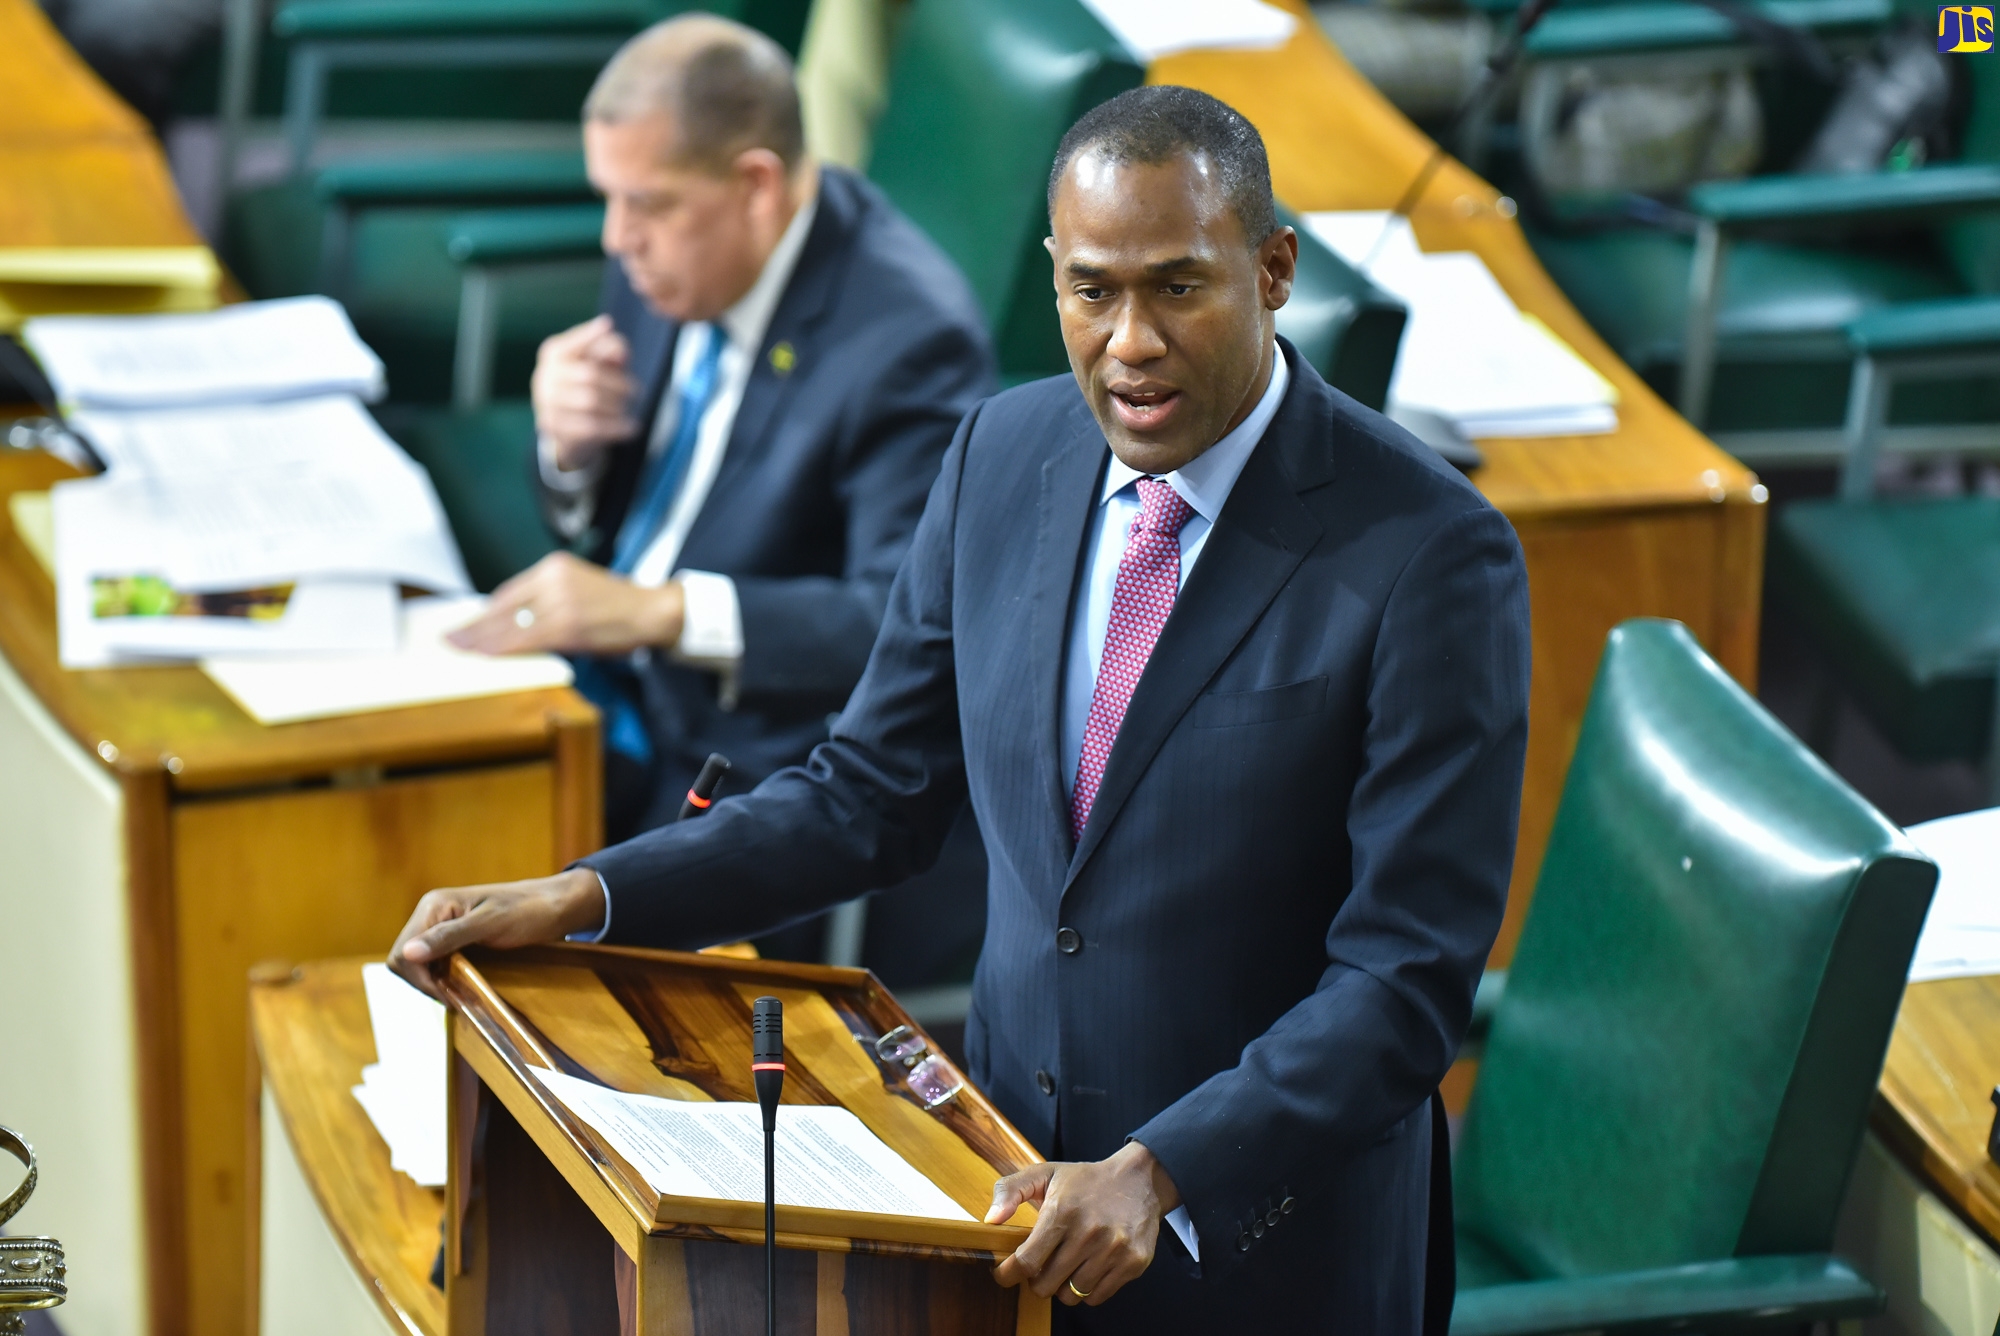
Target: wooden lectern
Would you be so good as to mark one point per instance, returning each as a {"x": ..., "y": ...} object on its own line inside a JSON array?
[{"x": 529, "y": 1178}]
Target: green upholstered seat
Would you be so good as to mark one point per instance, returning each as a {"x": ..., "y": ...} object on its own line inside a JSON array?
[
  {"x": 1903, "y": 596},
  {"x": 1679, "y": 1070},
  {"x": 1952, "y": 326},
  {"x": 481, "y": 464}
]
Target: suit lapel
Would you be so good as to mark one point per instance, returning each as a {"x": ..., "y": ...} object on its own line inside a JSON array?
[
  {"x": 1260, "y": 538},
  {"x": 1068, "y": 498}
]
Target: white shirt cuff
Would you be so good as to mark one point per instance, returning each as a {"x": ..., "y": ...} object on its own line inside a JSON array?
[
  {"x": 566, "y": 481},
  {"x": 1179, "y": 1218},
  {"x": 712, "y": 623},
  {"x": 597, "y": 935}
]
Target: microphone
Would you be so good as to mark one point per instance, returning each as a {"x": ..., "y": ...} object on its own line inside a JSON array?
[
  {"x": 767, "y": 1069},
  {"x": 702, "y": 796}
]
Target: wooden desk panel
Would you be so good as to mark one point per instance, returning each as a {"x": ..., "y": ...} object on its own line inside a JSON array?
[
  {"x": 313, "y": 1038},
  {"x": 1933, "y": 1108},
  {"x": 1648, "y": 521}
]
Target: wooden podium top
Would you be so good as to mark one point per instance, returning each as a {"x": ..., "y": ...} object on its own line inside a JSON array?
[
  {"x": 1934, "y": 1105},
  {"x": 678, "y": 1026}
]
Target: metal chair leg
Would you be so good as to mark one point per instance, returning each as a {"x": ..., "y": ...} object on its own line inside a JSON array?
[
  {"x": 1698, "y": 342},
  {"x": 242, "y": 36},
  {"x": 1867, "y": 415},
  {"x": 478, "y": 333}
]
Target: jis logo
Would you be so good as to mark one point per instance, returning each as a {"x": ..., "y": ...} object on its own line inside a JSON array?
[{"x": 1965, "y": 29}]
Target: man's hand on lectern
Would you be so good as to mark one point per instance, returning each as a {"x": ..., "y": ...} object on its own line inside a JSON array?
[
  {"x": 507, "y": 914},
  {"x": 1098, "y": 1224}
]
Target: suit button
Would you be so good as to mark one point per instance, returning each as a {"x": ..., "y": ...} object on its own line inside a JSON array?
[
  {"x": 1046, "y": 1082},
  {"x": 1257, "y": 1227},
  {"x": 1242, "y": 1242},
  {"x": 1285, "y": 1206},
  {"x": 1271, "y": 1217},
  {"x": 1069, "y": 941}
]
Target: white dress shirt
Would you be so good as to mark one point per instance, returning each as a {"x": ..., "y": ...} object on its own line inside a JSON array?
[
  {"x": 1204, "y": 482},
  {"x": 712, "y": 626}
]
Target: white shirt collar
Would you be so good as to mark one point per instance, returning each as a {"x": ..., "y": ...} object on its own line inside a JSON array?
[
  {"x": 745, "y": 323},
  {"x": 1205, "y": 481}
]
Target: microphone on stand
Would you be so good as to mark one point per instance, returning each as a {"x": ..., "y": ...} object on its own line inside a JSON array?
[
  {"x": 701, "y": 796},
  {"x": 767, "y": 1069}
]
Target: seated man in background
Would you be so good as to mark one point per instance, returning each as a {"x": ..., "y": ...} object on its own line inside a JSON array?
[{"x": 742, "y": 441}]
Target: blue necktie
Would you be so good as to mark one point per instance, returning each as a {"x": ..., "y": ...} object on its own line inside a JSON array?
[
  {"x": 610, "y": 684},
  {"x": 661, "y": 479}
]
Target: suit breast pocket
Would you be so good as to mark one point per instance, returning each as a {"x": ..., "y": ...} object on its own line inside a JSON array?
[{"x": 1233, "y": 709}]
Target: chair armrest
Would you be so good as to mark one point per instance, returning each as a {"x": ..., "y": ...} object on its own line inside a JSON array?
[
  {"x": 1614, "y": 29},
  {"x": 1737, "y": 1292},
  {"x": 350, "y": 20},
  {"x": 469, "y": 179},
  {"x": 1948, "y": 325},
  {"x": 525, "y": 236},
  {"x": 1925, "y": 192}
]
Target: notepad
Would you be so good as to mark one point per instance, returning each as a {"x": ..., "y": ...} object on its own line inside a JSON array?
[
  {"x": 253, "y": 352},
  {"x": 826, "y": 1157},
  {"x": 424, "y": 669}
]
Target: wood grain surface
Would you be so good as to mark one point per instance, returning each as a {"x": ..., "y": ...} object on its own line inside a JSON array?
[
  {"x": 312, "y": 1040},
  {"x": 688, "y": 1018},
  {"x": 1934, "y": 1107},
  {"x": 1651, "y": 520}
]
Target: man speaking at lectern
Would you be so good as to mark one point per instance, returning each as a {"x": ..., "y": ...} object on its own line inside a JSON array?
[{"x": 1240, "y": 704}]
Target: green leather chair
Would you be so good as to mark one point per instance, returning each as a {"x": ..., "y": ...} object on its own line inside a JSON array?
[
  {"x": 1679, "y": 1068},
  {"x": 1902, "y": 596},
  {"x": 1744, "y": 325}
]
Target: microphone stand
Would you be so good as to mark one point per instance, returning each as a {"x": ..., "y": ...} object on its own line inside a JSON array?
[{"x": 767, "y": 1069}]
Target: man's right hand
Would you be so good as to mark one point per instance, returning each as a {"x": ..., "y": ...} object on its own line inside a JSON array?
[
  {"x": 583, "y": 391},
  {"x": 508, "y": 914}
]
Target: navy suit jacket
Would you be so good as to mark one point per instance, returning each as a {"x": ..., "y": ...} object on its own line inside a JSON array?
[
  {"x": 831, "y": 456},
  {"x": 1292, "y": 873}
]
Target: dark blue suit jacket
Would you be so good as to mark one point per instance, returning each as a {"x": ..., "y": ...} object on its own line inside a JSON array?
[
  {"x": 831, "y": 457},
  {"x": 1292, "y": 873}
]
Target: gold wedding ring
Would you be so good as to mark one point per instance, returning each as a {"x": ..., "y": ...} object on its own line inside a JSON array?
[{"x": 1081, "y": 1294}]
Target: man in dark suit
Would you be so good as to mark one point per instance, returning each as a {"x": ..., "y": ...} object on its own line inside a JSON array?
[
  {"x": 1241, "y": 705},
  {"x": 741, "y": 444}
]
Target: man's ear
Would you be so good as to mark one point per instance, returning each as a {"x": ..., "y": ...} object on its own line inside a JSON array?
[{"x": 1278, "y": 266}]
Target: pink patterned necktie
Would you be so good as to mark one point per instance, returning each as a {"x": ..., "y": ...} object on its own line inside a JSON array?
[{"x": 1149, "y": 579}]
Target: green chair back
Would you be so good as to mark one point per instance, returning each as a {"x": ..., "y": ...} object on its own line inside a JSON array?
[
  {"x": 1973, "y": 241},
  {"x": 1681, "y": 1065},
  {"x": 980, "y": 93}
]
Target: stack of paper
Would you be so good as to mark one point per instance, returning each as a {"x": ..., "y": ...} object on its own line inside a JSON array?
[
  {"x": 1150, "y": 29},
  {"x": 826, "y": 1156},
  {"x": 403, "y": 1091},
  {"x": 104, "y": 280},
  {"x": 422, "y": 669},
  {"x": 1962, "y": 932},
  {"x": 290, "y": 349},
  {"x": 1469, "y": 354},
  {"x": 252, "y": 527}
]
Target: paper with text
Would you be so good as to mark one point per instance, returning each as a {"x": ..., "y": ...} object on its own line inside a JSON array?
[{"x": 826, "y": 1157}]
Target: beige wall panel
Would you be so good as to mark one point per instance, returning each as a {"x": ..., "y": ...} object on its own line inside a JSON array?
[{"x": 309, "y": 1288}]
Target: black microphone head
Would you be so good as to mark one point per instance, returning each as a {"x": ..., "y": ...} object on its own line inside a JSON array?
[{"x": 767, "y": 1029}]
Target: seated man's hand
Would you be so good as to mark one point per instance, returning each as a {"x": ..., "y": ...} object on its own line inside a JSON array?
[
  {"x": 567, "y": 605},
  {"x": 514, "y": 913},
  {"x": 582, "y": 391},
  {"x": 1099, "y": 1223}
]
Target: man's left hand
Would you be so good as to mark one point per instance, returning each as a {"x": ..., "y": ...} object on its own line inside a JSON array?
[
  {"x": 1098, "y": 1224},
  {"x": 567, "y": 605}
]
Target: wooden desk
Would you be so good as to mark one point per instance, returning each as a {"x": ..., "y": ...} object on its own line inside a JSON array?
[
  {"x": 1649, "y": 521},
  {"x": 1934, "y": 1108},
  {"x": 312, "y": 1036}
]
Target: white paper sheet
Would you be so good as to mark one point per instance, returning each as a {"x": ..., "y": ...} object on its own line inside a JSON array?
[
  {"x": 1153, "y": 28},
  {"x": 826, "y": 1156},
  {"x": 291, "y": 348},
  {"x": 1961, "y": 934},
  {"x": 287, "y": 689},
  {"x": 1468, "y": 353},
  {"x": 403, "y": 1090}
]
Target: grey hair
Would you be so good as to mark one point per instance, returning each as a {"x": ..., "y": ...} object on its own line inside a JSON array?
[
  {"x": 725, "y": 88},
  {"x": 1159, "y": 121}
]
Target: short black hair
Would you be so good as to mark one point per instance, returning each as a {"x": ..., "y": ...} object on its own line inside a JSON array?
[{"x": 1154, "y": 123}]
